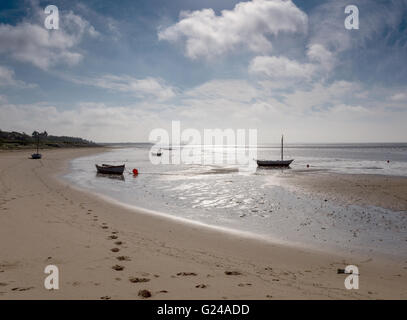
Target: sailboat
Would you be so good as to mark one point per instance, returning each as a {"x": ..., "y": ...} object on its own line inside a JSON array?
[
  {"x": 276, "y": 163},
  {"x": 37, "y": 155}
]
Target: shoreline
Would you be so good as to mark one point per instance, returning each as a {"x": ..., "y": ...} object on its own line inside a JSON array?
[
  {"x": 297, "y": 186},
  {"x": 163, "y": 251},
  {"x": 248, "y": 235}
]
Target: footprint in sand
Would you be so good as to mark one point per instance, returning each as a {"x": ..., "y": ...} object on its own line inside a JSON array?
[
  {"x": 105, "y": 227},
  {"x": 22, "y": 288},
  {"x": 244, "y": 284},
  {"x": 233, "y": 273},
  {"x": 144, "y": 293},
  {"x": 202, "y": 286},
  {"x": 118, "y": 267},
  {"x": 112, "y": 237},
  {"x": 115, "y": 249},
  {"x": 138, "y": 280},
  {"x": 123, "y": 258},
  {"x": 106, "y": 298},
  {"x": 118, "y": 243},
  {"x": 186, "y": 274}
]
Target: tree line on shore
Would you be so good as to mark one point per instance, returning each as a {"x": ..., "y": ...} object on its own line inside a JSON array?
[{"x": 17, "y": 140}]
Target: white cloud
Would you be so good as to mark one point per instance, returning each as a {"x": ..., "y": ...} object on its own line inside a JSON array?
[
  {"x": 328, "y": 38},
  {"x": 207, "y": 35},
  {"x": 319, "y": 54},
  {"x": 281, "y": 68},
  {"x": 32, "y": 43},
  {"x": 401, "y": 96},
  {"x": 320, "y": 97},
  {"x": 325, "y": 112},
  {"x": 231, "y": 90},
  {"x": 146, "y": 88},
  {"x": 3, "y": 99},
  {"x": 94, "y": 121},
  {"x": 7, "y": 78}
]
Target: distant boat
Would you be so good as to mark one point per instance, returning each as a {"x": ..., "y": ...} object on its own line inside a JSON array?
[
  {"x": 36, "y": 156},
  {"x": 276, "y": 163},
  {"x": 108, "y": 169},
  {"x": 158, "y": 153}
]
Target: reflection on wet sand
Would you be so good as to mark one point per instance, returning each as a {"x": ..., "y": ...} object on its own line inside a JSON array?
[{"x": 110, "y": 176}]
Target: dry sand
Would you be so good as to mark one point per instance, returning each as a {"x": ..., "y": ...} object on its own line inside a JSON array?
[{"x": 43, "y": 220}]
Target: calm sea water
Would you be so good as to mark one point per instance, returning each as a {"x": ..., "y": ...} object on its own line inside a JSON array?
[{"x": 255, "y": 201}]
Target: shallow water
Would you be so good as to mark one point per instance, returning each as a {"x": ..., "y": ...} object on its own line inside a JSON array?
[{"x": 255, "y": 201}]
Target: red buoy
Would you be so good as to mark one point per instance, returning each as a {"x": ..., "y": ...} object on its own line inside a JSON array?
[{"x": 135, "y": 172}]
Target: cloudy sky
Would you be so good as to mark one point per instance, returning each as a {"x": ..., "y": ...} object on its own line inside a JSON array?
[{"x": 115, "y": 70}]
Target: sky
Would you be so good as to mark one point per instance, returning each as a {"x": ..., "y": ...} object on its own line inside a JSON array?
[{"x": 116, "y": 70}]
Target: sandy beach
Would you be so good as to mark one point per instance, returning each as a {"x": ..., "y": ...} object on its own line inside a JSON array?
[
  {"x": 107, "y": 251},
  {"x": 378, "y": 190}
]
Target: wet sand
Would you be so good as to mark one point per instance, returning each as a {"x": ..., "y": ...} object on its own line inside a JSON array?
[
  {"x": 106, "y": 251},
  {"x": 377, "y": 190}
]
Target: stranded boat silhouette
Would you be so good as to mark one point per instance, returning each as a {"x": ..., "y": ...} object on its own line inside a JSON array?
[{"x": 276, "y": 163}]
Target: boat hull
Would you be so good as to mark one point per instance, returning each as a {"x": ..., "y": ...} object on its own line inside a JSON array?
[
  {"x": 274, "y": 163},
  {"x": 36, "y": 156},
  {"x": 106, "y": 169}
]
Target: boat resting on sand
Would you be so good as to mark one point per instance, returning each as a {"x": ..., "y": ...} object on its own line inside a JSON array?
[
  {"x": 36, "y": 156},
  {"x": 109, "y": 169},
  {"x": 276, "y": 163}
]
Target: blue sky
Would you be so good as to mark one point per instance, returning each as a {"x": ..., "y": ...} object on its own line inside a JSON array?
[{"x": 115, "y": 70}]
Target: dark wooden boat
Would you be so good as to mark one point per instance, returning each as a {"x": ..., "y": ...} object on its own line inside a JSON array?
[
  {"x": 109, "y": 169},
  {"x": 276, "y": 163}
]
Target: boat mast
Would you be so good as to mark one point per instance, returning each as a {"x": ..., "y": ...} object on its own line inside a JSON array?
[{"x": 282, "y": 148}]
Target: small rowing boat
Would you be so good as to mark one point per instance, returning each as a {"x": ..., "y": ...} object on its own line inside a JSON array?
[{"x": 109, "y": 169}]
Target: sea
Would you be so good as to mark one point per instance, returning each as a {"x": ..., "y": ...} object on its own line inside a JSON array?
[{"x": 207, "y": 185}]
